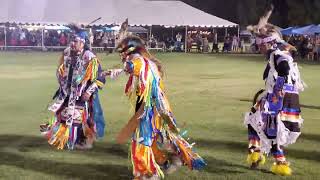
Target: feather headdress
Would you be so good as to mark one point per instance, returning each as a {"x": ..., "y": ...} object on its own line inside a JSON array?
[
  {"x": 123, "y": 32},
  {"x": 79, "y": 32},
  {"x": 264, "y": 31}
]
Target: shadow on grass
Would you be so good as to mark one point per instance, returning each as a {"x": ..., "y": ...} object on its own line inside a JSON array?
[
  {"x": 109, "y": 148},
  {"x": 29, "y": 143},
  {"x": 115, "y": 171},
  {"x": 309, "y": 106},
  {"x": 311, "y": 137},
  {"x": 66, "y": 169},
  {"x": 218, "y": 166},
  {"x": 241, "y": 147},
  {"x": 69, "y": 170},
  {"x": 245, "y": 100}
]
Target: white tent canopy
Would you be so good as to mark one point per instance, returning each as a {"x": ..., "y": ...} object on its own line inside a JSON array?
[{"x": 139, "y": 12}]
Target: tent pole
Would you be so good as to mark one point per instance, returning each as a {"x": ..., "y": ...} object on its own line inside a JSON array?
[
  {"x": 5, "y": 38},
  {"x": 171, "y": 32},
  {"x": 238, "y": 31},
  {"x": 185, "y": 40},
  {"x": 226, "y": 32},
  {"x": 150, "y": 31},
  {"x": 42, "y": 39},
  {"x": 150, "y": 35}
]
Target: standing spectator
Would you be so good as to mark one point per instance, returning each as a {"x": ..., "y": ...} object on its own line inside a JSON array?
[
  {"x": 309, "y": 50},
  {"x": 23, "y": 38},
  {"x": 302, "y": 47},
  {"x": 241, "y": 45},
  {"x": 205, "y": 47},
  {"x": 291, "y": 41},
  {"x": 2, "y": 38},
  {"x": 22, "y": 35},
  {"x": 227, "y": 44},
  {"x": 91, "y": 38},
  {"x": 317, "y": 46},
  {"x": 39, "y": 37},
  {"x": 105, "y": 41},
  {"x": 33, "y": 40},
  {"x": 168, "y": 43},
  {"x": 253, "y": 45},
  {"x": 235, "y": 43},
  {"x": 152, "y": 42},
  {"x": 189, "y": 43},
  {"x": 47, "y": 40},
  {"x": 199, "y": 42},
  {"x": 178, "y": 42},
  {"x": 98, "y": 39},
  {"x": 215, "y": 42}
]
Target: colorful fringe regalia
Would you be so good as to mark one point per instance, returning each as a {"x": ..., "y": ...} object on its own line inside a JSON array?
[
  {"x": 156, "y": 139},
  {"x": 75, "y": 121}
]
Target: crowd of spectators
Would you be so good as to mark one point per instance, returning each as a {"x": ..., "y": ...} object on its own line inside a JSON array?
[
  {"x": 24, "y": 37},
  {"x": 209, "y": 43},
  {"x": 199, "y": 41},
  {"x": 308, "y": 47},
  {"x": 20, "y": 37}
]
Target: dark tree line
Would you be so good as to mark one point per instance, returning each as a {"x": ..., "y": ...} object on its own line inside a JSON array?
[{"x": 245, "y": 12}]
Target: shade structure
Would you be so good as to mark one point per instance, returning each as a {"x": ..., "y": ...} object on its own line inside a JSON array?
[
  {"x": 137, "y": 29},
  {"x": 307, "y": 30},
  {"x": 245, "y": 33},
  {"x": 139, "y": 12},
  {"x": 104, "y": 29},
  {"x": 288, "y": 31}
]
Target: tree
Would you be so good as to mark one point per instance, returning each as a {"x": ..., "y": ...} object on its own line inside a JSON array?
[{"x": 245, "y": 12}]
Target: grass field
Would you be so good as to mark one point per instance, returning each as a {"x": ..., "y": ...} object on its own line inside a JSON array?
[{"x": 208, "y": 93}]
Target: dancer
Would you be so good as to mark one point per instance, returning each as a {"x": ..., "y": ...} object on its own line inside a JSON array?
[
  {"x": 78, "y": 118},
  {"x": 274, "y": 121},
  {"x": 156, "y": 143}
]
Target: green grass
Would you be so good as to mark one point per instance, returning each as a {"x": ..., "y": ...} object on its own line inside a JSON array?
[{"x": 208, "y": 93}]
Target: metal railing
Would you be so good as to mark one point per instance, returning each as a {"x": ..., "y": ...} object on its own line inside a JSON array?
[{"x": 46, "y": 48}]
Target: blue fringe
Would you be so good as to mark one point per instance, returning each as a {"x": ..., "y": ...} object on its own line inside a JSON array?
[
  {"x": 98, "y": 117},
  {"x": 146, "y": 129},
  {"x": 198, "y": 164}
]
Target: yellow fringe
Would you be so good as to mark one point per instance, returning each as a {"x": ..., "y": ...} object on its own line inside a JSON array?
[
  {"x": 255, "y": 157},
  {"x": 61, "y": 137},
  {"x": 281, "y": 169}
]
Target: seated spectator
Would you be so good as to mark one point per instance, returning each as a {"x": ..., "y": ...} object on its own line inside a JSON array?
[{"x": 63, "y": 40}]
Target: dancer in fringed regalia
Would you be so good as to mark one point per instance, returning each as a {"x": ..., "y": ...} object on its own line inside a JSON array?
[
  {"x": 274, "y": 121},
  {"x": 157, "y": 144},
  {"x": 78, "y": 118}
]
